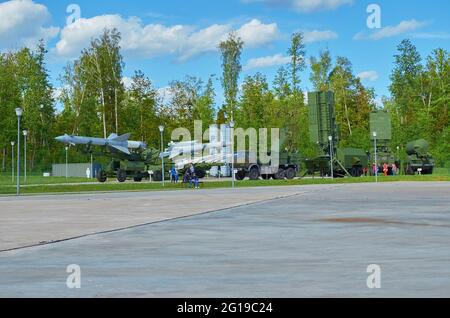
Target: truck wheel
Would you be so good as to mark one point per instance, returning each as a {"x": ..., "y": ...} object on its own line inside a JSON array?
[
  {"x": 253, "y": 174},
  {"x": 121, "y": 176},
  {"x": 265, "y": 176},
  {"x": 200, "y": 173},
  {"x": 280, "y": 175},
  {"x": 409, "y": 170},
  {"x": 137, "y": 179},
  {"x": 101, "y": 176},
  {"x": 157, "y": 176},
  {"x": 240, "y": 175},
  {"x": 290, "y": 173}
]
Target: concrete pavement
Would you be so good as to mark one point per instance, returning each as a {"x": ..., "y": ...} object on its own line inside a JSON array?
[
  {"x": 317, "y": 242},
  {"x": 28, "y": 221}
]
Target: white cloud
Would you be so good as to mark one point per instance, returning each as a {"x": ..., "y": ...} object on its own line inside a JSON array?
[
  {"x": 432, "y": 35},
  {"x": 305, "y": 6},
  {"x": 255, "y": 33},
  {"x": 267, "y": 61},
  {"x": 166, "y": 94},
  {"x": 317, "y": 36},
  {"x": 391, "y": 31},
  {"x": 153, "y": 40},
  {"x": 23, "y": 23},
  {"x": 57, "y": 92},
  {"x": 368, "y": 75},
  {"x": 127, "y": 81},
  {"x": 318, "y": 5}
]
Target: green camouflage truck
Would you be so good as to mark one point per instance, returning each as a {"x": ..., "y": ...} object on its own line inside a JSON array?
[{"x": 418, "y": 160}]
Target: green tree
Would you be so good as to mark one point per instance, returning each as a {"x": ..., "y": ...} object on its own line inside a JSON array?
[
  {"x": 139, "y": 110},
  {"x": 204, "y": 105},
  {"x": 298, "y": 63},
  {"x": 105, "y": 65},
  {"x": 342, "y": 81},
  {"x": 255, "y": 102},
  {"x": 281, "y": 86},
  {"x": 231, "y": 51},
  {"x": 321, "y": 68}
]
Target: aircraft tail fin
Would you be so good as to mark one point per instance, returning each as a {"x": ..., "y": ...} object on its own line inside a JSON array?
[
  {"x": 124, "y": 137},
  {"x": 112, "y": 136},
  {"x": 122, "y": 149}
]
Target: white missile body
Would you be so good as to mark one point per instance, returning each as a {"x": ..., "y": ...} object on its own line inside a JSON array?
[{"x": 120, "y": 143}]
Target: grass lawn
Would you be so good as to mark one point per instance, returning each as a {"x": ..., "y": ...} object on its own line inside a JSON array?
[
  {"x": 7, "y": 180},
  {"x": 39, "y": 185}
]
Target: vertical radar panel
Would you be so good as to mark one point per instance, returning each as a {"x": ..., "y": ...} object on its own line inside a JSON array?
[
  {"x": 380, "y": 122},
  {"x": 322, "y": 120}
]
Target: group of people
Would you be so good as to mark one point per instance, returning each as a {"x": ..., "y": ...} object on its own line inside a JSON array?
[
  {"x": 394, "y": 169},
  {"x": 190, "y": 177}
]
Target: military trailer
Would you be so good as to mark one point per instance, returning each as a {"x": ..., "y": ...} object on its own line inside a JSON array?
[
  {"x": 418, "y": 160},
  {"x": 135, "y": 165},
  {"x": 322, "y": 127}
]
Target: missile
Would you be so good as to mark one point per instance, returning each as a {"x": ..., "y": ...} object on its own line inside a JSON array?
[
  {"x": 188, "y": 147},
  {"x": 120, "y": 143}
]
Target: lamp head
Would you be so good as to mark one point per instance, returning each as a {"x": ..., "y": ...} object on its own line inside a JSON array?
[
  {"x": 12, "y": 143},
  {"x": 161, "y": 128},
  {"x": 19, "y": 111},
  {"x": 232, "y": 124},
  {"x": 25, "y": 133},
  {"x": 375, "y": 134}
]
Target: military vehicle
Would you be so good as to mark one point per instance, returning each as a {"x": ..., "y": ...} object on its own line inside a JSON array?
[
  {"x": 381, "y": 125},
  {"x": 418, "y": 160},
  {"x": 129, "y": 159},
  {"x": 136, "y": 166},
  {"x": 324, "y": 133},
  {"x": 287, "y": 168}
]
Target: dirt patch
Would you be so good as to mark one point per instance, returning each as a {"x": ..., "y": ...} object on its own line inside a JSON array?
[
  {"x": 356, "y": 220},
  {"x": 377, "y": 221}
]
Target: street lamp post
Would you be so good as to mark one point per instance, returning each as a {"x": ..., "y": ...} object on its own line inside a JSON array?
[
  {"x": 232, "y": 153},
  {"x": 399, "y": 168},
  {"x": 161, "y": 130},
  {"x": 12, "y": 160},
  {"x": 92, "y": 167},
  {"x": 25, "y": 134},
  {"x": 330, "y": 139},
  {"x": 376, "y": 155},
  {"x": 19, "y": 112},
  {"x": 67, "y": 162}
]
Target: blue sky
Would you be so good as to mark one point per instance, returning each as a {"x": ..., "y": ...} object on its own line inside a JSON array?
[{"x": 173, "y": 38}]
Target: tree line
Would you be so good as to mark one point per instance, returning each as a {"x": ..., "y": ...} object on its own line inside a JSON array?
[{"x": 94, "y": 100}]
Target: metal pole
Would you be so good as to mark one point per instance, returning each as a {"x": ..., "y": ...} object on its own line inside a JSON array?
[
  {"x": 232, "y": 159},
  {"x": 25, "y": 159},
  {"x": 162, "y": 150},
  {"x": 12, "y": 162},
  {"x": 92, "y": 167},
  {"x": 376, "y": 160},
  {"x": 18, "y": 155},
  {"x": 331, "y": 157},
  {"x": 67, "y": 170},
  {"x": 233, "y": 177}
]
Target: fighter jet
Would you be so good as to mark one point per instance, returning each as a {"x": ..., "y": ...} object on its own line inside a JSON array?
[{"x": 120, "y": 143}]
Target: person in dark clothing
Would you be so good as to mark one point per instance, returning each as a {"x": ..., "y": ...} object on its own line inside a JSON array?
[{"x": 193, "y": 177}]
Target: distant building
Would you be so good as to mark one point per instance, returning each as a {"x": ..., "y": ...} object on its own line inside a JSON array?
[{"x": 75, "y": 170}]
